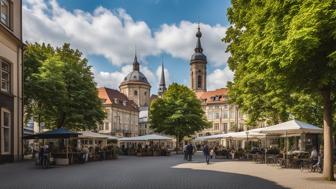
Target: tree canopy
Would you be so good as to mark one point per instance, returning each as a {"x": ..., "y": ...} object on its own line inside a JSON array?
[
  {"x": 59, "y": 88},
  {"x": 178, "y": 113},
  {"x": 283, "y": 54}
]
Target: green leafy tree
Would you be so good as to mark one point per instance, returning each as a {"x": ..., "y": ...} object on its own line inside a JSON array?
[
  {"x": 178, "y": 113},
  {"x": 280, "y": 49},
  {"x": 59, "y": 88}
]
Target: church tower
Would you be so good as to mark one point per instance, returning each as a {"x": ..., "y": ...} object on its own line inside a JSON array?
[
  {"x": 198, "y": 70},
  {"x": 162, "y": 85},
  {"x": 136, "y": 86}
]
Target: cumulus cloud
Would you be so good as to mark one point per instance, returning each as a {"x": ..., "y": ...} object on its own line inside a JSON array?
[
  {"x": 180, "y": 41},
  {"x": 113, "y": 79},
  {"x": 219, "y": 78},
  {"x": 103, "y": 32}
]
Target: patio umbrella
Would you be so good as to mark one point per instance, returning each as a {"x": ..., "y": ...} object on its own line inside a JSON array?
[{"x": 57, "y": 133}]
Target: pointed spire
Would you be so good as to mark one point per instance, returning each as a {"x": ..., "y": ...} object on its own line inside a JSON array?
[
  {"x": 162, "y": 86},
  {"x": 198, "y": 44},
  {"x": 136, "y": 66}
]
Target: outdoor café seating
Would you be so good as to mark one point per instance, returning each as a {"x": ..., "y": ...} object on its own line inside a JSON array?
[
  {"x": 146, "y": 145},
  {"x": 65, "y": 147}
]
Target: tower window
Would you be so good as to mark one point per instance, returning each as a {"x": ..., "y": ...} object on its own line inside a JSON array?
[
  {"x": 199, "y": 81},
  {"x": 145, "y": 93},
  {"x": 135, "y": 93}
]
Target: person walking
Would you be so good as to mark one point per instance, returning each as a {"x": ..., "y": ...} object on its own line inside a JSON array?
[
  {"x": 190, "y": 150},
  {"x": 206, "y": 152},
  {"x": 185, "y": 151}
]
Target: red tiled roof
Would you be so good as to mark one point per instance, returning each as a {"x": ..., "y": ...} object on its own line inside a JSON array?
[
  {"x": 216, "y": 96},
  {"x": 109, "y": 95}
]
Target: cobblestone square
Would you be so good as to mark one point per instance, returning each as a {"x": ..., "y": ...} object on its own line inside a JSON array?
[{"x": 158, "y": 173}]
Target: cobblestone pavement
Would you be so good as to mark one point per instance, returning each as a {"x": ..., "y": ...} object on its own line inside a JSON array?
[{"x": 157, "y": 173}]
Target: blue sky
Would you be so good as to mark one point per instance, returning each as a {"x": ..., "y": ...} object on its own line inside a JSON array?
[{"x": 108, "y": 30}]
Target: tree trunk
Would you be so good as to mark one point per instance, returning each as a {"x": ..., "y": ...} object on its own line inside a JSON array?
[
  {"x": 177, "y": 144},
  {"x": 61, "y": 121},
  {"x": 328, "y": 165}
]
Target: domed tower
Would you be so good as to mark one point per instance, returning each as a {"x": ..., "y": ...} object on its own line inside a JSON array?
[
  {"x": 136, "y": 86},
  {"x": 198, "y": 70}
]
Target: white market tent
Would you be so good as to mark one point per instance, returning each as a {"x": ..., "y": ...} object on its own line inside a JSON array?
[
  {"x": 292, "y": 127},
  {"x": 210, "y": 137},
  {"x": 245, "y": 135},
  {"x": 150, "y": 137},
  {"x": 90, "y": 134}
]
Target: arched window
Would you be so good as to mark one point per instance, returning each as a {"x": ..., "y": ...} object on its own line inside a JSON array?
[
  {"x": 135, "y": 93},
  {"x": 199, "y": 81}
]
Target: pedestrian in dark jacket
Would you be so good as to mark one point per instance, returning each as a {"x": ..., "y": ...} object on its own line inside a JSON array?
[
  {"x": 190, "y": 150},
  {"x": 206, "y": 152}
]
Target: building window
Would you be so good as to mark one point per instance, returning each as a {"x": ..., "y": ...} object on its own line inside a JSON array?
[
  {"x": 5, "y": 131},
  {"x": 135, "y": 93},
  {"x": 199, "y": 81},
  {"x": 5, "y": 76},
  {"x": 225, "y": 127},
  {"x": 5, "y": 12},
  {"x": 216, "y": 115},
  {"x": 209, "y": 115},
  {"x": 216, "y": 126},
  {"x": 225, "y": 114},
  {"x": 107, "y": 126}
]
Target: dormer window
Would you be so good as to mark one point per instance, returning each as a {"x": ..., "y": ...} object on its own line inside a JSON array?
[
  {"x": 124, "y": 102},
  {"x": 116, "y": 101}
]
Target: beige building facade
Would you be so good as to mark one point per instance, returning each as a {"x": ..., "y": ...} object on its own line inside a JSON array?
[
  {"x": 11, "y": 49},
  {"x": 224, "y": 117},
  {"x": 122, "y": 114}
]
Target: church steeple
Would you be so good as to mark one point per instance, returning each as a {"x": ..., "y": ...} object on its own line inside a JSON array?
[
  {"x": 198, "y": 68},
  {"x": 162, "y": 86},
  {"x": 198, "y": 48},
  {"x": 136, "y": 66}
]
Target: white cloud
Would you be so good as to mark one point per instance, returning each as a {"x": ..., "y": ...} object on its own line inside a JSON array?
[
  {"x": 103, "y": 32},
  {"x": 219, "y": 78},
  {"x": 113, "y": 79},
  {"x": 180, "y": 41}
]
